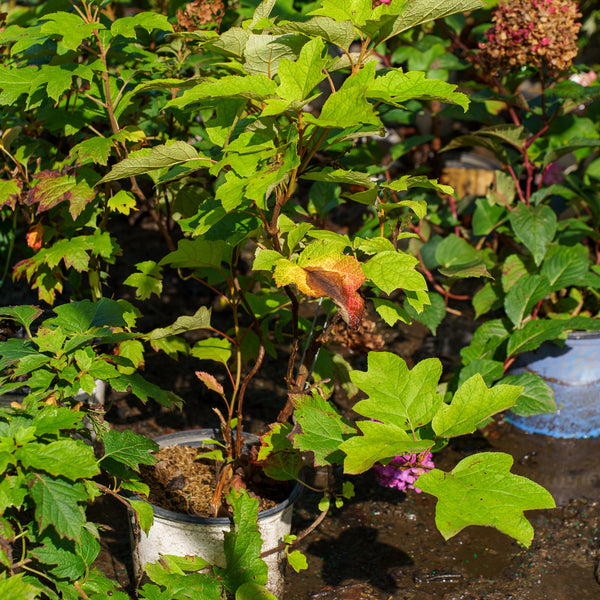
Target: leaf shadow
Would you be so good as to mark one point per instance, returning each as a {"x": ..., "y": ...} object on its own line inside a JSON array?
[{"x": 356, "y": 554}]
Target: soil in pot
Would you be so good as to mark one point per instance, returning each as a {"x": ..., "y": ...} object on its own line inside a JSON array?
[{"x": 184, "y": 482}]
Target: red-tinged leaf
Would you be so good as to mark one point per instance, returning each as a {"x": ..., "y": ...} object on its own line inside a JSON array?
[
  {"x": 10, "y": 192},
  {"x": 52, "y": 188},
  {"x": 210, "y": 382},
  {"x": 337, "y": 276},
  {"x": 34, "y": 236}
]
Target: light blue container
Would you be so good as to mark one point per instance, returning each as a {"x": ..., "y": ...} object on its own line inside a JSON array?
[{"x": 573, "y": 372}]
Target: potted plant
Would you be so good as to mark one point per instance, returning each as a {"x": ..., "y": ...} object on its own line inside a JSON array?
[{"x": 235, "y": 184}]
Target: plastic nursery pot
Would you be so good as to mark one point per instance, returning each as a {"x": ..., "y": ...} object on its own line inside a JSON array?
[
  {"x": 573, "y": 373},
  {"x": 184, "y": 535}
]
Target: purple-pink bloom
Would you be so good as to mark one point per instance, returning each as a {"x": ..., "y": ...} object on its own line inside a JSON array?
[{"x": 403, "y": 471}]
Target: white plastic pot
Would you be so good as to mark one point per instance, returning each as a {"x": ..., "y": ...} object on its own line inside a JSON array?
[{"x": 184, "y": 535}]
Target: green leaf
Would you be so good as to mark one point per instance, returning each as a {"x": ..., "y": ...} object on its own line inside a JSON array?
[
  {"x": 168, "y": 572},
  {"x": 391, "y": 312},
  {"x": 243, "y": 545},
  {"x": 524, "y": 295},
  {"x": 143, "y": 389},
  {"x": 533, "y": 334},
  {"x": 14, "y": 588},
  {"x": 148, "y": 281},
  {"x": 93, "y": 150},
  {"x": 537, "y": 396},
  {"x": 70, "y": 27},
  {"x": 59, "y": 504},
  {"x": 277, "y": 456},
  {"x": 573, "y": 144},
  {"x": 390, "y": 271},
  {"x": 299, "y": 78},
  {"x": 472, "y": 404},
  {"x": 145, "y": 514},
  {"x": 535, "y": 227},
  {"x": 254, "y": 87},
  {"x": 215, "y": 349},
  {"x": 379, "y": 441},
  {"x": 405, "y": 398},
  {"x": 396, "y": 87},
  {"x": 401, "y": 16},
  {"x": 565, "y": 266},
  {"x": 487, "y": 217},
  {"x": 459, "y": 259},
  {"x": 55, "y": 78},
  {"x": 13, "y": 488},
  {"x": 159, "y": 157},
  {"x": 14, "y": 350},
  {"x": 408, "y": 182},
  {"x": 347, "y": 107},
  {"x": 62, "y": 554},
  {"x": 297, "y": 561},
  {"x": 149, "y": 21},
  {"x": 24, "y": 314},
  {"x": 62, "y": 458},
  {"x": 196, "y": 254},
  {"x": 263, "y": 52},
  {"x": 490, "y": 370},
  {"x": 15, "y": 82},
  {"x": 432, "y": 314},
  {"x": 322, "y": 429},
  {"x": 200, "y": 320},
  {"x": 480, "y": 490},
  {"x": 52, "y": 419},
  {"x": 80, "y": 316},
  {"x": 265, "y": 260},
  {"x": 355, "y": 11},
  {"x": 340, "y": 33},
  {"x": 129, "y": 448}
]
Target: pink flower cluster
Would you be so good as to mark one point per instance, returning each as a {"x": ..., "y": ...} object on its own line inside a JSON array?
[{"x": 403, "y": 471}]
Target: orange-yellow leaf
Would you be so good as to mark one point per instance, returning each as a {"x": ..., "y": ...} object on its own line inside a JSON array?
[
  {"x": 34, "y": 236},
  {"x": 336, "y": 276}
]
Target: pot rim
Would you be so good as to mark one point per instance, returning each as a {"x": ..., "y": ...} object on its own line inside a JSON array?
[
  {"x": 194, "y": 434},
  {"x": 583, "y": 334}
]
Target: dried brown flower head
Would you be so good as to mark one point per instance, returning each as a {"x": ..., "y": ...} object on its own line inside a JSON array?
[
  {"x": 538, "y": 33},
  {"x": 199, "y": 14}
]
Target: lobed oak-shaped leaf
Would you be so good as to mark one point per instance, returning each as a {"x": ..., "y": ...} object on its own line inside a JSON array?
[
  {"x": 481, "y": 490},
  {"x": 379, "y": 441},
  {"x": 472, "y": 404},
  {"x": 392, "y": 270},
  {"x": 398, "y": 396}
]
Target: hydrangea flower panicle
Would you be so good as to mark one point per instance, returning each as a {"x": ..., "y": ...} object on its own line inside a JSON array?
[
  {"x": 538, "y": 33},
  {"x": 403, "y": 471}
]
